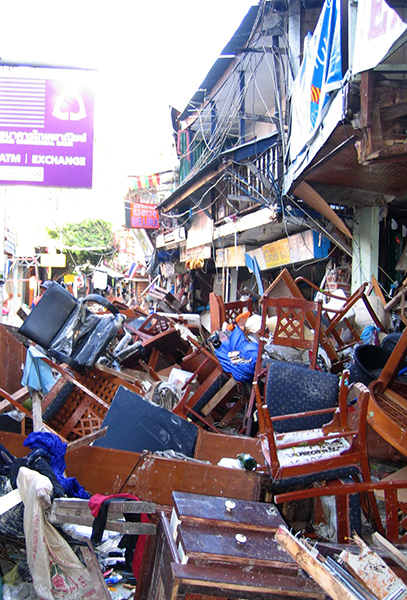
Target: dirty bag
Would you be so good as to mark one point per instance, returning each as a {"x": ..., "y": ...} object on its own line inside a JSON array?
[{"x": 56, "y": 571}]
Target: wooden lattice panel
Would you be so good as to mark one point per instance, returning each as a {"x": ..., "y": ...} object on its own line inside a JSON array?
[
  {"x": 81, "y": 414},
  {"x": 290, "y": 324}
]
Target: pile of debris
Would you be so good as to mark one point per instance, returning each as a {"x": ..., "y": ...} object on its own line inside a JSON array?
[{"x": 174, "y": 455}]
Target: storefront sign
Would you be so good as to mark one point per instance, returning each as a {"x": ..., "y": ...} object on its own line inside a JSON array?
[
  {"x": 144, "y": 216},
  {"x": 195, "y": 253},
  {"x": 53, "y": 260},
  {"x": 46, "y": 128},
  {"x": 276, "y": 253},
  {"x": 231, "y": 257},
  {"x": 298, "y": 248}
]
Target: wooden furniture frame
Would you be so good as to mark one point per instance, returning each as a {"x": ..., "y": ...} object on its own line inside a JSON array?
[
  {"x": 335, "y": 317},
  {"x": 317, "y": 462},
  {"x": 396, "y": 528},
  {"x": 227, "y": 570},
  {"x": 226, "y": 312},
  {"x": 76, "y": 510},
  {"x": 207, "y": 370},
  {"x": 387, "y": 412},
  {"x": 292, "y": 317},
  {"x": 81, "y": 400},
  {"x": 285, "y": 286}
]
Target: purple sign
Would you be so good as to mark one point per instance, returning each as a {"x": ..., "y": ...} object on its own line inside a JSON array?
[{"x": 46, "y": 131}]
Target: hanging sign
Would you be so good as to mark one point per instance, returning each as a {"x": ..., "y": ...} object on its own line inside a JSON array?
[
  {"x": 46, "y": 127},
  {"x": 144, "y": 216}
]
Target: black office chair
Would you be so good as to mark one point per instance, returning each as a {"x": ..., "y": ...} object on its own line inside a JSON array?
[{"x": 68, "y": 330}]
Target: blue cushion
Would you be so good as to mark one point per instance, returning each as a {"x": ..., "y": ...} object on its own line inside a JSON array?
[{"x": 291, "y": 388}]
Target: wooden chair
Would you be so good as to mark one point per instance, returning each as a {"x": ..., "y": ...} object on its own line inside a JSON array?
[
  {"x": 228, "y": 312},
  {"x": 215, "y": 386},
  {"x": 77, "y": 404},
  {"x": 285, "y": 286},
  {"x": 329, "y": 453},
  {"x": 336, "y": 316},
  {"x": 387, "y": 412},
  {"x": 293, "y": 314},
  {"x": 290, "y": 325},
  {"x": 395, "y": 511}
]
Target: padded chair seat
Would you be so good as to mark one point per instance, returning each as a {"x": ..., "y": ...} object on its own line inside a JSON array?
[
  {"x": 280, "y": 486},
  {"x": 290, "y": 388}
]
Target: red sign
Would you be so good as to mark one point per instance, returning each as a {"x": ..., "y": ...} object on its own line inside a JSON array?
[{"x": 144, "y": 216}]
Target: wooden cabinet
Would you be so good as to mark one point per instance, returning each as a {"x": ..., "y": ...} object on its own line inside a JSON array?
[{"x": 220, "y": 547}]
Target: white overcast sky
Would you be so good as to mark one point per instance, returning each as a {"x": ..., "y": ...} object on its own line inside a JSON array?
[{"x": 148, "y": 55}]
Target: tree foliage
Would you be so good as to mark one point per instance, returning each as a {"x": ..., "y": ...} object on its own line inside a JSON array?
[{"x": 89, "y": 242}]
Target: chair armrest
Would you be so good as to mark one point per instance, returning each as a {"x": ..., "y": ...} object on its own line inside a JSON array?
[{"x": 98, "y": 299}]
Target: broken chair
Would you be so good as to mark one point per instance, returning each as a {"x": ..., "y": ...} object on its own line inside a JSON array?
[
  {"x": 336, "y": 316},
  {"x": 215, "y": 387},
  {"x": 297, "y": 459},
  {"x": 68, "y": 330},
  {"x": 226, "y": 312}
]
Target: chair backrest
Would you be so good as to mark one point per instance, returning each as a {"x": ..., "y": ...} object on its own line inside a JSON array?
[
  {"x": 49, "y": 316},
  {"x": 342, "y": 456},
  {"x": 228, "y": 312},
  {"x": 290, "y": 326},
  {"x": 71, "y": 332},
  {"x": 291, "y": 388}
]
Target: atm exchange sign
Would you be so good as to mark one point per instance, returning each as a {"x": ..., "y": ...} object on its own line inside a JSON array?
[{"x": 46, "y": 127}]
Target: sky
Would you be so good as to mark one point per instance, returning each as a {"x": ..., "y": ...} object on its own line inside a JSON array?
[{"x": 145, "y": 56}]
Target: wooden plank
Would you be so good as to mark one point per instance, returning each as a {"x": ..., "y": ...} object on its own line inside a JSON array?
[
  {"x": 86, "y": 440},
  {"x": 213, "y": 447},
  {"x": 372, "y": 571},
  {"x": 96, "y": 574},
  {"x": 101, "y": 470},
  {"x": 219, "y": 396},
  {"x": 36, "y": 411},
  {"x": 390, "y": 550},
  {"x": 315, "y": 201},
  {"x": 125, "y": 527},
  {"x": 65, "y": 506},
  {"x": 155, "y": 478},
  {"x": 311, "y": 565}
]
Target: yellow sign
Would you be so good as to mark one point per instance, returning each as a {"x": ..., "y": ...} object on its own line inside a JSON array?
[
  {"x": 277, "y": 253},
  {"x": 53, "y": 260}
]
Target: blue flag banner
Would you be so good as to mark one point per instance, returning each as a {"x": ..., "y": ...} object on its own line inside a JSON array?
[{"x": 320, "y": 76}]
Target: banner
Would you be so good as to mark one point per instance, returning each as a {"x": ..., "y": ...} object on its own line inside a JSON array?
[
  {"x": 377, "y": 28},
  {"x": 320, "y": 75},
  {"x": 146, "y": 181}
]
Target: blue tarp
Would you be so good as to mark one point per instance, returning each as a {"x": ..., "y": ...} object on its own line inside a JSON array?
[{"x": 242, "y": 371}]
